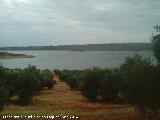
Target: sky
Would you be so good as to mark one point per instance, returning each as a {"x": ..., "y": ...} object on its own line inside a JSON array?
[{"x": 64, "y": 22}]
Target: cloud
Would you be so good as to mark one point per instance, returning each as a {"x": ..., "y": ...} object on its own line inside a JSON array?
[{"x": 76, "y": 21}]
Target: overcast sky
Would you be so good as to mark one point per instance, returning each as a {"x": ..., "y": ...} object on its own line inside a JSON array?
[{"x": 57, "y": 22}]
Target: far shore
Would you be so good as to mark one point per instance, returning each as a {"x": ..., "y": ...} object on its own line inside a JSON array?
[
  {"x": 6, "y": 55},
  {"x": 12, "y": 57}
]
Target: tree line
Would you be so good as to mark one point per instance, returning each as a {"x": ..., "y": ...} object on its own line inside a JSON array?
[{"x": 24, "y": 83}]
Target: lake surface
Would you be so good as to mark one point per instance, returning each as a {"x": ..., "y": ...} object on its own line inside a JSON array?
[{"x": 70, "y": 59}]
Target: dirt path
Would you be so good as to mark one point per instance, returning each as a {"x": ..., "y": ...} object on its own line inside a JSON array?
[
  {"x": 62, "y": 101},
  {"x": 74, "y": 98}
]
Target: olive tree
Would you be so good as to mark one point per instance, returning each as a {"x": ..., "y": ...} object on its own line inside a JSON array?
[{"x": 156, "y": 43}]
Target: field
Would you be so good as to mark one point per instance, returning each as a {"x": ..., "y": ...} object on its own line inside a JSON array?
[{"x": 61, "y": 101}]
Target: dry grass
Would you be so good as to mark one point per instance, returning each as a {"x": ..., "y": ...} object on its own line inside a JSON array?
[{"x": 62, "y": 101}]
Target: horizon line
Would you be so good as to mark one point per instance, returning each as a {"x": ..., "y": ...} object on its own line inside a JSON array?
[{"x": 78, "y": 44}]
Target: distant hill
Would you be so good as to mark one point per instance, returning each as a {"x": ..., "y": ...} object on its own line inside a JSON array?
[{"x": 89, "y": 47}]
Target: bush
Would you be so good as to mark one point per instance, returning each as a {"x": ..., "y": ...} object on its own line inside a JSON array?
[
  {"x": 70, "y": 77},
  {"x": 156, "y": 45},
  {"x": 74, "y": 79},
  {"x": 139, "y": 83},
  {"x": 27, "y": 84},
  {"x": 4, "y": 96},
  {"x": 12, "y": 80},
  {"x": 4, "y": 93},
  {"x": 24, "y": 83},
  {"x": 58, "y": 72},
  {"x": 25, "y": 96},
  {"x": 91, "y": 83},
  {"x": 48, "y": 79},
  {"x": 151, "y": 103},
  {"x": 110, "y": 86},
  {"x": 94, "y": 82}
]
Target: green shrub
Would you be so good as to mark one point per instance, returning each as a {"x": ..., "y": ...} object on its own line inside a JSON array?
[
  {"x": 156, "y": 46},
  {"x": 12, "y": 80},
  {"x": 4, "y": 93},
  {"x": 23, "y": 83},
  {"x": 139, "y": 81},
  {"x": 74, "y": 79},
  {"x": 110, "y": 86},
  {"x": 4, "y": 96},
  {"x": 91, "y": 83},
  {"x": 27, "y": 84},
  {"x": 48, "y": 79},
  {"x": 58, "y": 72}
]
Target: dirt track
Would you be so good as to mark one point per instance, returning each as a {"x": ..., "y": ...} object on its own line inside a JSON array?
[{"x": 62, "y": 101}]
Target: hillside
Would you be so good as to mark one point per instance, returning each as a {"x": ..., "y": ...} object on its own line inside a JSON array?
[{"x": 89, "y": 47}]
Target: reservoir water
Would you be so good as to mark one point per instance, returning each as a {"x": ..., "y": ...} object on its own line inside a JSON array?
[{"x": 71, "y": 59}]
